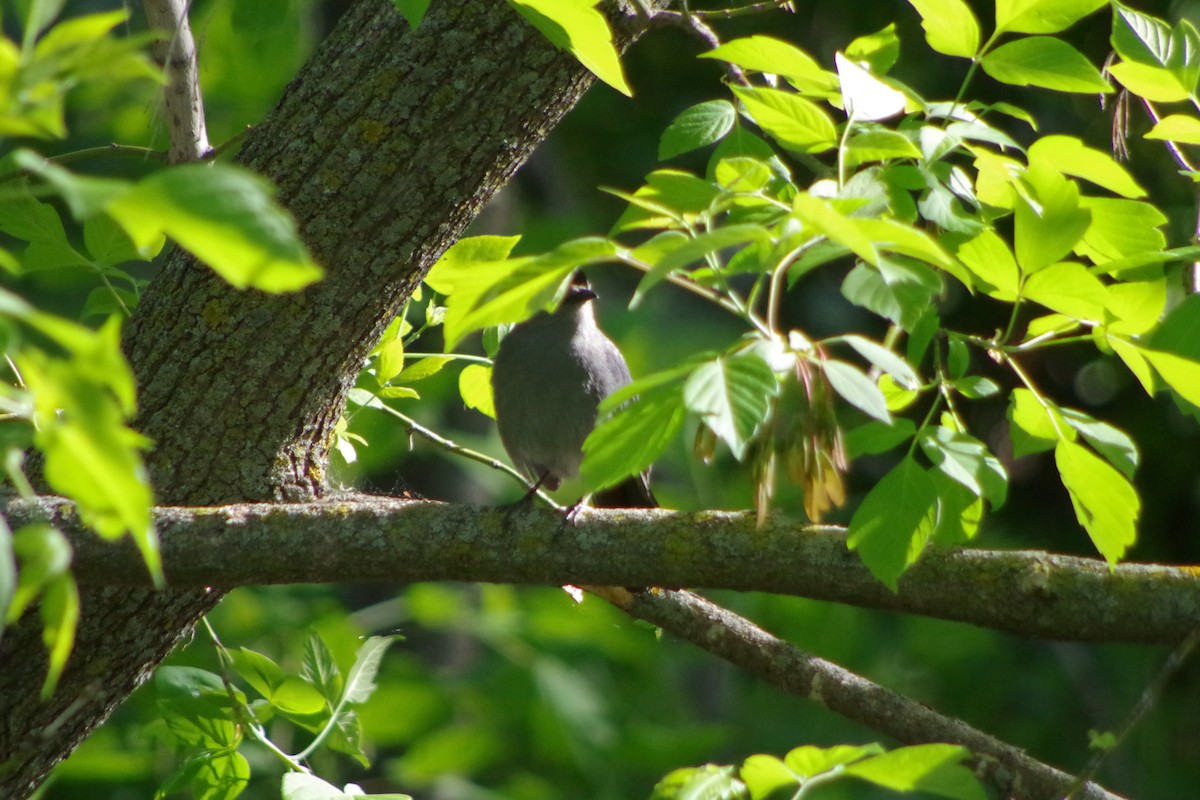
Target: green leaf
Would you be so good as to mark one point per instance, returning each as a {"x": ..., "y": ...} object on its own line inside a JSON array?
[
  {"x": 857, "y": 389},
  {"x": 885, "y": 360},
  {"x": 1181, "y": 374},
  {"x": 59, "y": 608},
  {"x": 576, "y": 26},
  {"x": 795, "y": 123},
  {"x": 950, "y": 26},
  {"x": 874, "y": 437},
  {"x": 196, "y": 707},
  {"x": 1121, "y": 229},
  {"x": 1105, "y": 503},
  {"x": 891, "y": 526},
  {"x": 360, "y": 680},
  {"x": 821, "y": 216},
  {"x": 1034, "y": 427},
  {"x": 85, "y": 196},
  {"x": 967, "y": 460},
  {"x": 865, "y": 97},
  {"x": 1180, "y": 331},
  {"x": 223, "y": 215},
  {"x": 902, "y": 295},
  {"x": 896, "y": 237},
  {"x": 632, "y": 438},
  {"x": 808, "y": 761},
  {"x": 1045, "y": 62},
  {"x": 1156, "y": 84},
  {"x": 1112, "y": 443},
  {"x": 422, "y": 369},
  {"x": 877, "y": 51},
  {"x": 878, "y": 146},
  {"x": 697, "y": 248},
  {"x": 1042, "y": 16},
  {"x": 765, "y": 54},
  {"x": 959, "y": 511},
  {"x": 108, "y": 243},
  {"x": 257, "y": 670},
  {"x": 930, "y": 768},
  {"x": 320, "y": 669},
  {"x": 1140, "y": 37},
  {"x": 90, "y": 455},
  {"x": 669, "y": 198},
  {"x": 1046, "y": 229},
  {"x": 458, "y": 264},
  {"x": 988, "y": 258},
  {"x": 25, "y": 217},
  {"x": 732, "y": 396},
  {"x": 1136, "y": 306},
  {"x": 1181, "y": 128},
  {"x": 700, "y": 125},
  {"x": 475, "y": 388},
  {"x": 742, "y": 174},
  {"x": 490, "y": 293},
  {"x": 1069, "y": 289},
  {"x": 294, "y": 695},
  {"x": 222, "y": 776},
  {"x": 765, "y": 775},
  {"x": 709, "y": 782},
  {"x": 413, "y": 11},
  {"x": 1071, "y": 156}
]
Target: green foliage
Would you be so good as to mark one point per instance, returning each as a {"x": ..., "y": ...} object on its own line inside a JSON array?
[
  {"x": 930, "y": 768},
  {"x": 210, "y": 718},
  {"x": 919, "y": 195},
  {"x": 577, "y": 27}
]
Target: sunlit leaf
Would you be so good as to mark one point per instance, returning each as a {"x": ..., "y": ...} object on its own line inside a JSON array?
[
  {"x": 950, "y": 26},
  {"x": 632, "y": 438},
  {"x": 223, "y": 215},
  {"x": 797, "y": 124},
  {"x": 1042, "y": 16},
  {"x": 894, "y": 521},
  {"x": 1071, "y": 156},
  {"x": 928, "y": 768},
  {"x": 732, "y": 396},
  {"x": 1045, "y": 62},
  {"x": 1105, "y": 503},
  {"x": 576, "y": 26},
  {"x": 765, "y": 54}
]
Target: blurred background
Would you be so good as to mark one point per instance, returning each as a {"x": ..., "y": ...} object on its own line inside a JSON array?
[{"x": 519, "y": 693}]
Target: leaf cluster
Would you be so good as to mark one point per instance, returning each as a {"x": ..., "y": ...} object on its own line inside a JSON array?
[
  {"x": 815, "y": 168},
  {"x": 210, "y": 718}
]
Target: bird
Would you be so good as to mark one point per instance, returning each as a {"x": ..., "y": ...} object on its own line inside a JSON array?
[{"x": 548, "y": 377}]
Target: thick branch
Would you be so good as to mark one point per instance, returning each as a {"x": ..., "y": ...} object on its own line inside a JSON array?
[
  {"x": 1032, "y": 594},
  {"x": 176, "y": 54},
  {"x": 744, "y": 644}
]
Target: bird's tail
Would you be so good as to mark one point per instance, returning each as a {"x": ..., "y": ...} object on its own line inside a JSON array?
[{"x": 633, "y": 493}]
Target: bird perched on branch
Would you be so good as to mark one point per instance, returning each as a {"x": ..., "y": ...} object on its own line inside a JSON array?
[{"x": 549, "y": 376}]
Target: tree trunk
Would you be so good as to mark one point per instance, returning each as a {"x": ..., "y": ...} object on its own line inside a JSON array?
[{"x": 384, "y": 148}]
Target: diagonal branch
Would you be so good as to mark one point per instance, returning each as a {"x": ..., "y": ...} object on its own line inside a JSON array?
[
  {"x": 1031, "y": 594},
  {"x": 175, "y": 52},
  {"x": 747, "y": 646}
]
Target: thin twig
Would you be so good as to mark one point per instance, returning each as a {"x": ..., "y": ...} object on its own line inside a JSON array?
[
  {"x": 176, "y": 54},
  {"x": 747, "y": 646},
  {"x": 1145, "y": 703},
  {"x": 415, "y": 428}
]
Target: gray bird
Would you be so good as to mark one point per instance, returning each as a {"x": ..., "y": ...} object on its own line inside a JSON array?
[{"x": 549, "y": 375}]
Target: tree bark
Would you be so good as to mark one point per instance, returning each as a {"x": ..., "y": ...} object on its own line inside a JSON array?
[
  {"x": 384, "y": 148},
  {"x": 1032, "y": 594}
]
